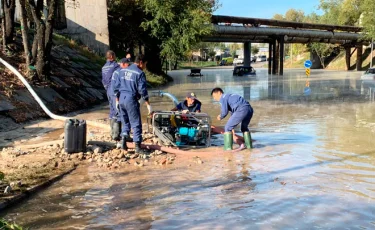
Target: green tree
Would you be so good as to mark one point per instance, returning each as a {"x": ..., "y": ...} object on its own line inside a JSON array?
[
  {"x": 211, "y": 54},
  {"x": 178, "y": 24},
  {"x": 322, "y": 50},
  {"x": 368, "y": 18},
  {"x": 294, "y": 15},
  {"x": 278, "y": 17},
  {"x": 254, "y": 50}
]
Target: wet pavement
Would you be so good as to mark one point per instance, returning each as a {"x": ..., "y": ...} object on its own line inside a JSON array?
[{"x": 313, "y": 166}]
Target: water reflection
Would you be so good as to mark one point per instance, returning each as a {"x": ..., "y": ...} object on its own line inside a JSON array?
[{"x": 324, "y": 85}]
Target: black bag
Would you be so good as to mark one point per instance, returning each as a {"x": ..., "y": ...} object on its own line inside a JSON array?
[{"x": 75, "y": 136}]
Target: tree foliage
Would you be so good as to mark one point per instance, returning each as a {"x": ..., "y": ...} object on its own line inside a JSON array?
[
  {"x": 368, "y": 17},
  {"x": 254, "y": 50},
  {"x": 178, "y": 23}
]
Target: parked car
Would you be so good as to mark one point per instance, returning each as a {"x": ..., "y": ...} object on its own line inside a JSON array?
[
  {"x": 369, "y": 74},
  {"x": 243, "y": 71},
  {"x": 254, "y": 58},
  {"x": 238, "y": 61},
  {"x": 262, "y": 58}
]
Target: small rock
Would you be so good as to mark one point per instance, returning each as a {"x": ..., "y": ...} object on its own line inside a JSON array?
[
  {"x": 199, "y": 161},
  {"x": 56, "y": 146},
  {"x": 97, "y": 149},
  {"x": 120, "y": 156},
  {"x": 227, "y": 159},
  {"x": 21, "y": 166},
  {"x": 283, "y": 183},
  {"x": 8, "y": 190},
  {"x": 162, "y": 162},
  {"x": 56, "y": 164},
  {"x": 133, "y": 156},
  {"x": 90, "y": 160}
]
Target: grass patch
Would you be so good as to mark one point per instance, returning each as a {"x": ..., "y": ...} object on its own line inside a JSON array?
[
  {"x": 190, "y": 65},
  {"x": 84, "y": 51},
  {"x": 8, "y": 226},
  {"x": 157, "y": 80}
]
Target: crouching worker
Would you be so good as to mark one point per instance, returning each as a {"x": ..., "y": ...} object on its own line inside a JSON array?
[
  {"x": 191, "y": 104},
  {"x": 241, "y": 112},
  {"x": 130, "y": 86}
]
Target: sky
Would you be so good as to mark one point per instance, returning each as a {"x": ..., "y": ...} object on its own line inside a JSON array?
[{"x": 264, "y": 8}]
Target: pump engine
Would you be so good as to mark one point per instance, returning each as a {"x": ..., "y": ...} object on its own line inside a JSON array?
[{"x": 182, "y": 130}]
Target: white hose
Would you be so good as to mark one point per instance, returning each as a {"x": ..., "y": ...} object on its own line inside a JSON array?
[{"x": 40, "y": 102}]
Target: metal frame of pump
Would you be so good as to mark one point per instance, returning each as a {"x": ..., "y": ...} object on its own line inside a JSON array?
[{"x": 185, "y": 135}]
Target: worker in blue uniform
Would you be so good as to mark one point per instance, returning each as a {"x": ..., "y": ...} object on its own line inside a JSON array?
[
  {"x": 241, "y": 112},
  {"x": 130, "y": 86},
  {"x": 107, "y": 71},
  {"x": 190, "y": 104},
  {"x": 116, "y": 123}
]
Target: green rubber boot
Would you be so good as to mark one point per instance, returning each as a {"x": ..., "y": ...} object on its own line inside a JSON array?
[
  {"x": 248, "y": 141},
  {"x": 228, "y": 141}
]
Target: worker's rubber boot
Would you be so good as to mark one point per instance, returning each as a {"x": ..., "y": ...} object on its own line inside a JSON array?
[
  {"x": 111, "y": 124},
  {"x": 248, "y": 141},
  {"x": 228, "y": 141},
  {"x": 116, "y": 130},
  {"x": 123, "y": 143},
  {"x": 138, "y": 148}
]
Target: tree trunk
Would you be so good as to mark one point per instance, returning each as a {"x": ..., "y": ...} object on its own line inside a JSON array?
[
  {"x": 34, "y": 49},
  {"x": 175, "y": 64},
  {"x": 40, "y": 60},
  {"x": 9, "y": 11},
  {"x": 52, "y": 7},
  {"x": 39, "y": 38},
  {"x": 25, "y": 30},
  {"x": 3, "y": 26}
]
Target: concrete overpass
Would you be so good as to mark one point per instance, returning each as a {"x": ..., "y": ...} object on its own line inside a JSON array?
[{"x": 276, "y": 33}]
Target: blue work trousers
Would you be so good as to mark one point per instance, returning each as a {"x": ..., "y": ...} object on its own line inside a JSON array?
[
  {"x": 243, "y": 115},
  {"x": 130, "y": 114},
  {"x": 113, "y": 113}
]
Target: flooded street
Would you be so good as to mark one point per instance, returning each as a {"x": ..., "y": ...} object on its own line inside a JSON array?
[{"x": 313, "y": 165}]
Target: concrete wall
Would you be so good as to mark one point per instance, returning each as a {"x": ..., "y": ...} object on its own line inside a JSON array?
[{"x": 87, "y": 21}]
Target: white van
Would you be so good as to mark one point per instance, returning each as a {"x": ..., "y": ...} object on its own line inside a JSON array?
[{"x": 262, "y": 58}]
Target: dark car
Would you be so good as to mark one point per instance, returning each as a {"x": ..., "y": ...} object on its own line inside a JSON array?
[{"x": 243, "y": 71}]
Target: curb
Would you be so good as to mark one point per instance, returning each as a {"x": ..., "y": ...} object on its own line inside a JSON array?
[{"x": 17, "y": 198}]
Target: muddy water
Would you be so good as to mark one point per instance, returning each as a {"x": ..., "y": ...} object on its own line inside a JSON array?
[{"x": 313, "y": 166}]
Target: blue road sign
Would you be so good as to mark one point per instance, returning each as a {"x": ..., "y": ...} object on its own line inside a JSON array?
[{"x": 308, "y": 64}]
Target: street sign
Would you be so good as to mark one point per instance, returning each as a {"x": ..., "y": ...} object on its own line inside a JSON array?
[
  {"x": 308, "y": 72},
  {"x": 307, "y": 91},
  {"x": 308, "y": 64}
]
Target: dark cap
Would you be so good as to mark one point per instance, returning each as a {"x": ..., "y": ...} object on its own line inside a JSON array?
[
  {"x": 125, "y": 60},
  {"x": 191, "y": 95}
]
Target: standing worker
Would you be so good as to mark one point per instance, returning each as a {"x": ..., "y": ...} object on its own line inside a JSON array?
[
  {"x": 130, "y": 85},
  {"x": 241, "y": 112},
  {"x": 107, "y": 71},
  {"x": 116, "y": 123}
]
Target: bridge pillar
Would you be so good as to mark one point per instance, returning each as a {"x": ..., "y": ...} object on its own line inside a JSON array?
[
  {"x": 359, "y": 57},
  {"x": 347, "y": 57},
  {"x": 274, "y": 57},
  {"x": 281, "y": 47},
  {"x": 269, "y": 58},
  {"x": 246, "y": 53}
]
